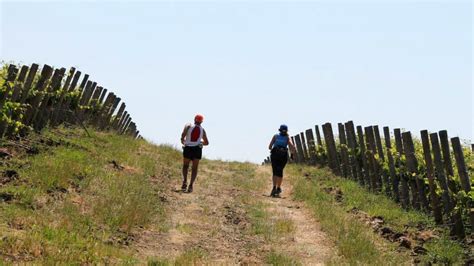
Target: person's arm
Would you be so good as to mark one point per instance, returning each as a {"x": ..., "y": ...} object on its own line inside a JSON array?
[
  {"x": 292, "y": 146},
  {"x": 272, "y": 142},
  {"x": 205, "y": 141},
  {"x": 183, "y": 135}
]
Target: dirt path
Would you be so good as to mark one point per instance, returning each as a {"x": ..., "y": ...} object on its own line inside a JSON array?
[
  {"x": 307, "y": 243},
  {"x": 213, "y": 224}
]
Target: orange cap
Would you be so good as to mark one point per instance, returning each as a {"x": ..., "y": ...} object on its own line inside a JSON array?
[{"x": 199, "y": 118}]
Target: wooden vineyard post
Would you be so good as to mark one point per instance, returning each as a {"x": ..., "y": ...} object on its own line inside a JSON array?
[
  {"x": 345, "y": 167},
  {"x": 438, "y": 215},
  {"x": 311, "y": 146},
  {"x": 108, "y": 110},
  {"x": 94, "y": 113},
  {"x": 444, "y": 141},
  {"x": 40, "y": 118},
  {"x": 28, "y": 82},
  {"x": 372, "y": 164},
  {"x": 381, "y": 156},
  {"x": 46, "y": 73},
  {"x": 448, "y": 165},
  {"x": 299, "y": 149},
  {"x": 39, "y": 87},
  {"x": 17, "y": 89},
  {"x": 100, "y": 108},
  {"x": 352, "y": 142},
  {"x": 81, "y": 101},
  {"x": 449, "y": 204},
  {"x": 43, "y": 115},
  {"x": 11, "y": 76},
  {"x": 58, "y": 108},
  {"x": 412, "y": 165},
  {"x": 322, "y": 158},
  {"x": 122, "y": 122},
  {"x": 118, "y": 117},
  {"x": 84, "y": 82},
  {"x": 132, "y": 129},
  {"x": 391, "y": 164},
  {"x": 463, "y": 174},
  {"x": 445, "y": 151},
  {"x": 127, "y": 124},
  {"x": 305, "y": 149},
  {"x": 12, "y": 72},
  {"x": 85, "y": 100},
  {"x": 350, "y": 150},
  {"x": 15, "y": 92},
  {"x": 318, "y": 136},
  {"x": 65, "y": 112},
  {"x": 363, "y": 158},
  {"x": 102, "y": 95},
  {"x": 331, "y": 149},
  {"x": 111, "y": 112},
  {"x": 461, "y": 164},
  {"x": 415, "y": 202},
  {"x": 17, "y": 85},
  {"x": 440, "y": 172},
  {"x": 405, "y": 195},
  {"x": 109, "y": 100},
  {"x": 22, "y": 74}
]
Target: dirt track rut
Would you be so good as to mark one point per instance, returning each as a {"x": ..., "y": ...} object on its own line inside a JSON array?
[{"x": 214, "y": 221}]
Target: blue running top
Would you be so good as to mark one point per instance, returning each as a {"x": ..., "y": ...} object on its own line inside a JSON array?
[{"x": 281, "y": 141}]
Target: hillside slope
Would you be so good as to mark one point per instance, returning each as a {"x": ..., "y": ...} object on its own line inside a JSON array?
[{"x": 66, "y": 197}]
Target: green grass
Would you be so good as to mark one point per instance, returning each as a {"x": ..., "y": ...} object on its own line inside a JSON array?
[
  {"x": 260, "y": 220},
  {"x": 191, "y": 257},
  {"x": 70, "y": 205},
  {"x": 355, "y": 241},
  {"x": 184, "y": 228},
  {"x": 277, "y": 259}
]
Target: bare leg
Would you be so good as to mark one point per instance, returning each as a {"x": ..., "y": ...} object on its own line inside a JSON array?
[
  {"x": 194, "y": 171},
  {"x": 274, "y": 179},
  {"x": 185, "y": 170},
  {"x": 278, "y": 181}
]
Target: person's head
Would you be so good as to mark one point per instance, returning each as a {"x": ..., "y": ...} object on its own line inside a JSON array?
[
  {"x": 198, "y": 119},
  {"x": 283, "y": 129}
]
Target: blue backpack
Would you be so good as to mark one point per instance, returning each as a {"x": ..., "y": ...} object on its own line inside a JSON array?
[{"x": 281, "y": 141}]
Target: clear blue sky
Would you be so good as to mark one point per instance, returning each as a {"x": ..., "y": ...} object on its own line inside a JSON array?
[{"x": 248, "y": 67}]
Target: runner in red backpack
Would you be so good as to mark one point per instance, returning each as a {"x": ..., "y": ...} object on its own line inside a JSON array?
[{"x": 193, "y": 138}]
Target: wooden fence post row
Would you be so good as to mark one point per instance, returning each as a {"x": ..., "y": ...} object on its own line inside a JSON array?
[
  {"x": 389, "y": 164},
  {"x": 51, "y": 97}
]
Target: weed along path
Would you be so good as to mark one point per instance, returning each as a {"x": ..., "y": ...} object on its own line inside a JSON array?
[{"x": 230, "y": 219}]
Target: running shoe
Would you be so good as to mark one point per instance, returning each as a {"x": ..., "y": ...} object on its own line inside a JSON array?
[
  {"x": 278, "y": 190},
  {"x": 273, "y": 193}
]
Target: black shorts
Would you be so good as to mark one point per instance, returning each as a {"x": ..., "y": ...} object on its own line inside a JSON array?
[
  {"x": 192, "y": 153},
  {"x": 279, "y": 158}
]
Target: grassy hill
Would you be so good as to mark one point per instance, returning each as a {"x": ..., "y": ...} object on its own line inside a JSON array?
[
  {"x": 65, "y": 197},
  {"x": 69, "y": 198}
]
